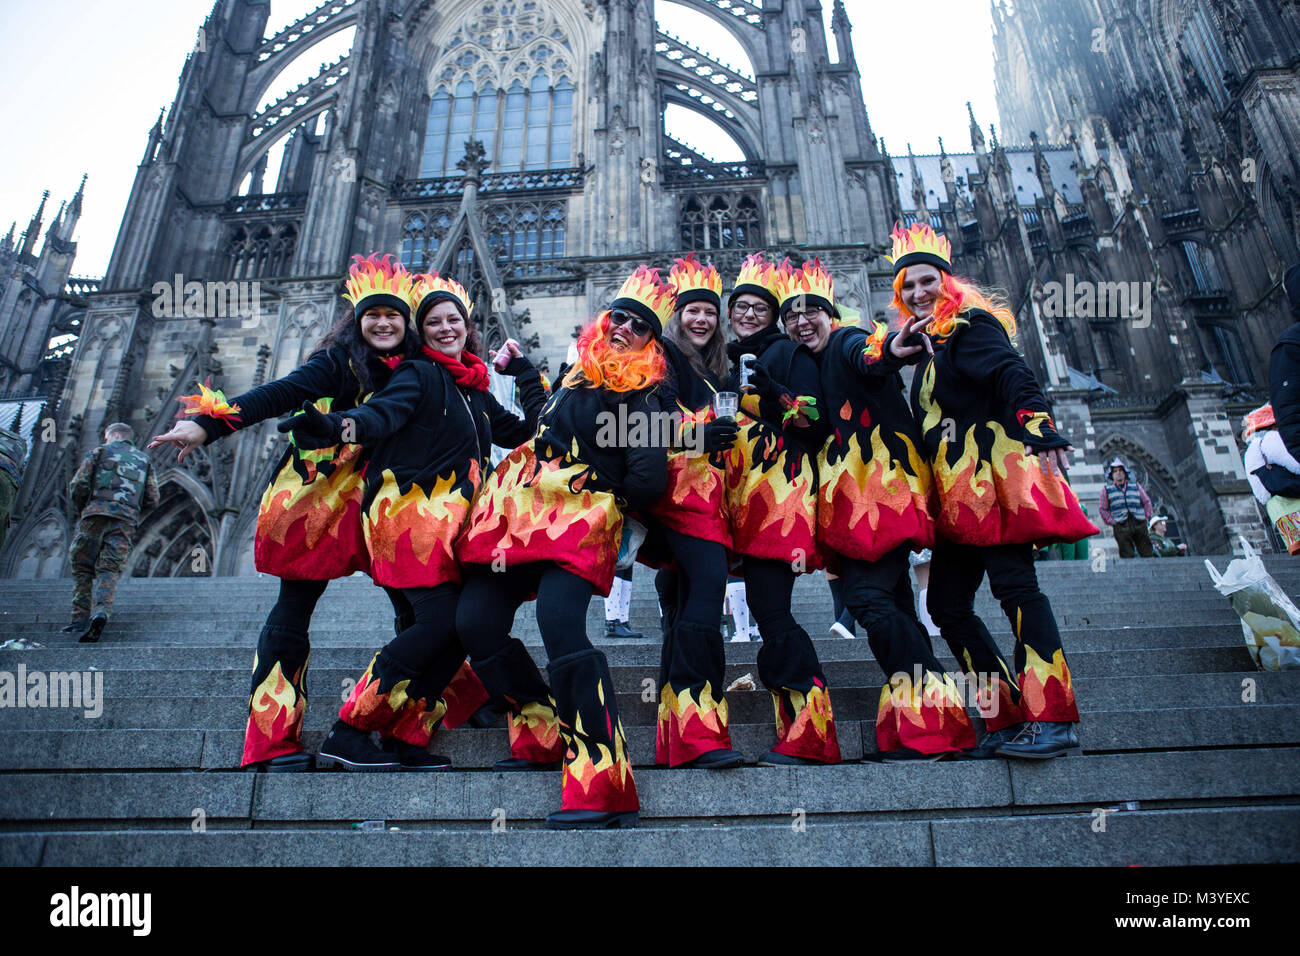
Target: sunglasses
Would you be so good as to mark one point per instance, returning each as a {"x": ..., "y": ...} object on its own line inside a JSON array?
[{"x": 639, "y": 325}]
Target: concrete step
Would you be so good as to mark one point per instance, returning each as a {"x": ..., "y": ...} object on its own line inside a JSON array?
[
  {"x": 142, "y": 699},
  {"x": 217, "y": 749},
  {"x": 473, "y": 797},
  {"x": 1179, "y": 837}
]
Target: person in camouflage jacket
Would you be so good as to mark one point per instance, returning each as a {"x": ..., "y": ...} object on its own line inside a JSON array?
[{"x": 111, "y": 490}]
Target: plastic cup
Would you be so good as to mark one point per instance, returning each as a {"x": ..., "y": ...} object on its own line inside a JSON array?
[{"x": 726, "y": 404}]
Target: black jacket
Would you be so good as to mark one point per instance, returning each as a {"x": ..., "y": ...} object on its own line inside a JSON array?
[
  {"x": 1284, "y": 387},
  {"x": 794, "y": 368}
]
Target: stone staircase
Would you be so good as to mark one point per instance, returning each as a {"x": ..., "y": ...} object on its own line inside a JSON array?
[{"x": 1191, "y": 756}]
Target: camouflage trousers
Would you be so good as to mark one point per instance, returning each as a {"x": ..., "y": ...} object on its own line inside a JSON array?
[
  {"x": 99, "y": 551},
  {"x": 8, "y": 492}
]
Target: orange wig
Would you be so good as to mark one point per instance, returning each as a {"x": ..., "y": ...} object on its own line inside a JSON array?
[
  {"x": 600, "y": 366},
  {"x": 955, "y": 297}
]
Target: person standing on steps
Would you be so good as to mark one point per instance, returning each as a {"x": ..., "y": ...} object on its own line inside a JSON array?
[
  {"x": 690, "y": 517},
  {"x": 428, "y": 435},
  {"x": 1127, "y": 509},
  {"x": 874, "y": 503},
  {"x": 618, "y": 608},
  {"x": 771, "y": 502},
  {"x": 999, "y": 472},
  {"x": 111, "y": 491},
  {"x": 548, "y": 523},
  {"x": 13, "y": 458},
  {"x": 309, "y": 521}
]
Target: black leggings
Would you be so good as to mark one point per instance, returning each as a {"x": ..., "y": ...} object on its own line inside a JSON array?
[
  {"x": 491, "y": 599},
  {"x": 768, "y": 588},
  {"x": 701, "y": 579},
  {"x": 297, "y": 603}
]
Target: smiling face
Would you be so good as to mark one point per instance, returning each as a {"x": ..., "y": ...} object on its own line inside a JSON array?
[
  {"x": 444, "y": 329},
  {"x": 749, "y": 314},
  {"x": 383, "y": 328},
  {"x": 698, "y": 320},
  {"x": 810, "y": 326},
  {"x": 920, "y": 291},
  {"x": 624, "y": 338}
]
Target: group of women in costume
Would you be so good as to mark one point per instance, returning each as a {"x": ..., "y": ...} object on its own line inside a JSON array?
[{"x": 826, "y": 463}]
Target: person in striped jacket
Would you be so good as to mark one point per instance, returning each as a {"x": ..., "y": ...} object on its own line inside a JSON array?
[{"x": 1127, "y": 509}]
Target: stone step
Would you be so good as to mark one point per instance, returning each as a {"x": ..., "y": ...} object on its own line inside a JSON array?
[
  {"x": 473, "y": 797},
  {"x": 127, "y": 703},
  {"x": 1178, "y": 837},
  {"x": 1117, "y": 730}
]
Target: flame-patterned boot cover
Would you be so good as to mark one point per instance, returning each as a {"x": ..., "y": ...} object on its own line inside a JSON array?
[
  {"x": 279, "y": 697},
  {"x": 513, "y": 683},
  {"x": 597, "y": 785},
  {"x": 921, "y": 708},
  {"x": 996, "y": 688},
  {"x": 805, "y": 725},
  {"x": 1046, "y": 690},
  {"x": 692, "y": 707}
]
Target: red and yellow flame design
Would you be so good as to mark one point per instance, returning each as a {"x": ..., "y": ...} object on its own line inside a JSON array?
[
  {"x": 210, "y": 402},
  {"x": 865, "y": 509},
  {"x": 463, "y": 696},
  {"x": 646, "y": 286},
  {"x": 997, "y": 695},
  {"x": 772, "y": 515},
  {"x": 416, "y": 722},
  {"x": 411, "y": 536},
  {"x": 369, "y": 708},
  {"x": 688, "y": 274},
  {"x": 311, "y": 529},
  {"x": 694, "y": 502},
  {"x": 1046, "y": 690},
  {"x": 688, "y": 727},
  {"x": 535, "y": 733},
  {"x": 919, "y": 237},
  {"x": 597, "y": 776},
  {"x": 533, "y": 509},
  {"x": 1007, "y": 498},
  {"x": 874, "y": 346},
  {"x": 427, "y": 283},
  {"x": 809, "y": 279},
  {"x": 756, "y": 270},
  {"x": 275, "y": 712},
  {"x": 373, "y": 275},
  {"x": 931, "y": 719},
  {"x": 805, "y": 725}
]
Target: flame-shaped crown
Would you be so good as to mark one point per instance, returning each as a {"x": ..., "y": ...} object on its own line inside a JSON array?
[
  {"x": 806, "y": 286},
  {"x": 695, "y": 282},
  {"x": 646, "y": 294},
  {"x": 757, "y": 277},
  {"x": 431, "y": 288},
  {"x": 373, "y": 281},
  {"x": 920, "y": 244}
]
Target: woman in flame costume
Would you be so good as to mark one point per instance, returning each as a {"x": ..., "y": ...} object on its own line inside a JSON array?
[
  {"x": 771, "y": 504},
  {"x": 309, "y": 523},
  {"x": 874, "y": 500},
  {"x": 999, "y": 471},
  {"x": 428, "y": 434},
  {"x": 692, "y": 724},
  {"x": 548, "y": 523}
]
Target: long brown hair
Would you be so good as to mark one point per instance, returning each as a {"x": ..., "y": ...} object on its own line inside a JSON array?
[{"x": 711, "y": 358}]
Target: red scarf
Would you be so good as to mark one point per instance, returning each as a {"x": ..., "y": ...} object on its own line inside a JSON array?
[
  {"x": 392, "y": 361},
  {"x": 469, "y": 372}
]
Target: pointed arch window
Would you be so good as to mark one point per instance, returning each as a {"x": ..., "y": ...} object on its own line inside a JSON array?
[
  {"x": 521, "y": 128},
  {"x": 720, "y": 222}
]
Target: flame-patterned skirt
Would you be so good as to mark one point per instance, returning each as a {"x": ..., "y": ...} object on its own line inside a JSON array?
[
  {"x": 695, "y": 501},
  {"x": 535, "y": 509},
  {"x": 1004, "y": 497},
  {"x": 309, "y": 521},
  {"x": 866, "y": 507},
  {"x": 411, "y": 534},
  {"x": 771, "y": 496}
]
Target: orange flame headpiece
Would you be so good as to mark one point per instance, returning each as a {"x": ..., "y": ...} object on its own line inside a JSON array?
[
  {"x": 805, "y": 286},
  {"x": 431, "y": 288},
  {"x": 920, "y": 244},
  {"x": 757, "y": 277},
  {"x": 695, "y": 282},
  {"x": 646, "y": 294},
  {"x": 373, "y": 281}
]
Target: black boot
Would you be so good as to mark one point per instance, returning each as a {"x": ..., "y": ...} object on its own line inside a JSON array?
[
  {"x": 413, "y": 757},
  {"x": 96, "y": 628},
  {"x": 621, "y": 630},
  {"x": 77, "y": 627},
  {"x": 352, "y": 749},
  {"x": 1040, "y": 740},
  {"x": 286, "y": 763},
  {"x": 987, "y": 748}
]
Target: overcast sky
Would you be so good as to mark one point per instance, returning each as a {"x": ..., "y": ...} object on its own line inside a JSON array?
[{"x": 83, "y": 80}]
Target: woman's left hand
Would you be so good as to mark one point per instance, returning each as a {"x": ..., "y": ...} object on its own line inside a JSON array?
[
  {"x": 1055, "y": 461},
  {"x": 912, "y": 326}
]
